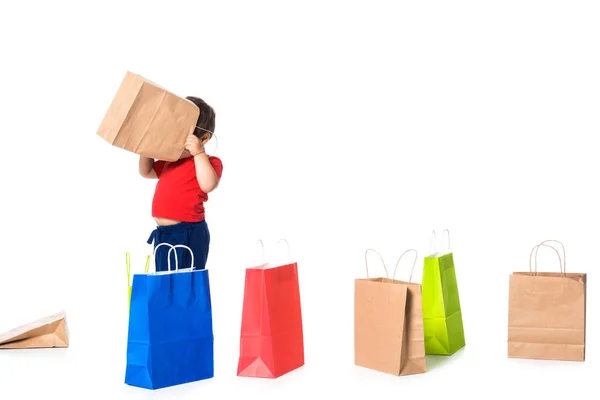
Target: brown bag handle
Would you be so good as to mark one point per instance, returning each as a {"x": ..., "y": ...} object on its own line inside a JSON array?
[
  {"x": 382, "y": 262},
  {"x": 562, "y": 260},
  {"x": 413, "y": 266},
  {"x": 397, "y": 263}
]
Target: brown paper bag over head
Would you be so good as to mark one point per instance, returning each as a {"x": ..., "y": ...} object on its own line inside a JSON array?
[
  {"x": 148, "y": 120},
  {"x": 388, "y": 324},
  {"x": 547, "y": 312},
  {"x": 46, "y": 332}
]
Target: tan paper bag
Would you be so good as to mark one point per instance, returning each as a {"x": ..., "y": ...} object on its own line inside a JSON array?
[
  {"x": 50, "y": 331},
  {"x": 547, "y": 313},
  {"x": 148, "y": 120},
  {"x": 388, "y": 324}
]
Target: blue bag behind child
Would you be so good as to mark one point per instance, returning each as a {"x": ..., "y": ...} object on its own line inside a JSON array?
[{"x": 170, "y": 338}]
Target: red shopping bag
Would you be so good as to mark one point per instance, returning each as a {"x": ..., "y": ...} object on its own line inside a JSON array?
[{"x": 271, "y": 340}]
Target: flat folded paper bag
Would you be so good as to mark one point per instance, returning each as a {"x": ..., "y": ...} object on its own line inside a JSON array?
[
  {"x": 45, "y": 332},
  {"x": 148, "y": 120}
]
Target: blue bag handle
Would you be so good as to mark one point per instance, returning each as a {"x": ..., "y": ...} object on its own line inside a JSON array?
[
  {"x": 183, "y": 247},
  {"x": 168, "y": 256}
]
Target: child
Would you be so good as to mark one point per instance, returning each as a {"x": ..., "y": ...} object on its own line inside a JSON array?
[{"x": 181, "y": 190}]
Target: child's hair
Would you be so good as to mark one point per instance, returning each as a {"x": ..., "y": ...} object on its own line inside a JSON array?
[{"x": 206, "y": 120}]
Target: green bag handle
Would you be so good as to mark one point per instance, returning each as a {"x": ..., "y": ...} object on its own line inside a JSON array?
[
  {"x": 128, "y": 266},
  {"x": 433, "y": 240}
]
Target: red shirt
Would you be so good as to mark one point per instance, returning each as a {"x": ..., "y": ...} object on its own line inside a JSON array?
[{"x": 178, "y": 195}]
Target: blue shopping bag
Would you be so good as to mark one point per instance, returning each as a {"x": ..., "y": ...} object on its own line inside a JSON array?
[{"x": 170, "y": 338}]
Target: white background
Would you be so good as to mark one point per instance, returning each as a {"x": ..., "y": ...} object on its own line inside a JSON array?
[{"x": 342, "y": 126}]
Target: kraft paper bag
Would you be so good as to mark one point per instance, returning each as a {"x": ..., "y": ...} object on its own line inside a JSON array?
[
  {"x": 128, "y": 264},
  {"x": 148, "y": 120},
  {"x": 271, "y": 336},
  {"x": 442, "y": 314},
  {"x": 50, "y": 331},
  {"x": 388, "y": 324},
  {"x": 547, "y": 312}
]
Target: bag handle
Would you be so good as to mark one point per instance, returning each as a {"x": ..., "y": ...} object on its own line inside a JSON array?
[
  {"x": 128, "y": 264},
  {"x": 262, "y": 245},
  {"x": 212, "y": 135},
  {"x": 214, "y": 152},
  {"x": 168, "y": 257},
  {"x": 413, "y": 266},
  {"x": 182, "y": 247},
  {"x": 432, "y": 242},
  {"x": 562, "y": 260},
  {"x": 382, "y": 262},
  {"x": 447, "y": 231},
  {"x": 289, "y": 248}
]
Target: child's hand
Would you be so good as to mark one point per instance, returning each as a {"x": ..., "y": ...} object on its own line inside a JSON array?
[{"x": 194, "y": 145}]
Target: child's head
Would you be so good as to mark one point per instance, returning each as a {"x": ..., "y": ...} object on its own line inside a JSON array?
[{"x": 206, "y": 120}]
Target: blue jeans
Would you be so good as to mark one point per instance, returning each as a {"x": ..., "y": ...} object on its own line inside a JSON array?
[{"x": 194, "y": 235}]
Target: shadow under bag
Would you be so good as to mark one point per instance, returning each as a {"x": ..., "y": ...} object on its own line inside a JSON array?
[
  {"x": 388, "y": 324},
  {"x": 170, "y": 340},
  {"x": 547, "y": 312}
]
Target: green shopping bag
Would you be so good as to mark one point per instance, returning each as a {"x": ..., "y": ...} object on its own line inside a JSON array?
[
  {"x": 128, "y": 264},
  {"x": 442, "y": 316}
]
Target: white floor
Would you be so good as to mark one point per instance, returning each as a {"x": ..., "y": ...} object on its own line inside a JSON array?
[
  {"x": 98, "y": 373},
  {"x": 94, "y": 366}
]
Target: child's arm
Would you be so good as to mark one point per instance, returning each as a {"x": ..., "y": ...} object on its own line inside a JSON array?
[
  {"x": 146, "y": 167},
  {"x": 205, "y": 173}
]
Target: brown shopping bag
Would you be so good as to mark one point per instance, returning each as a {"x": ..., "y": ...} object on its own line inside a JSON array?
[
  {"x": 148, "y": 120},
  {"x": 547, "y": 312},
  {"x": 49, "y": 331},
  {"x": 388, "y": 324}
]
